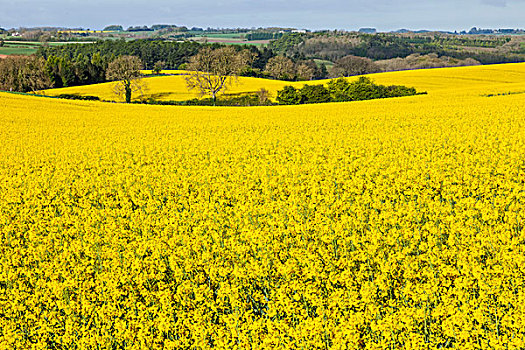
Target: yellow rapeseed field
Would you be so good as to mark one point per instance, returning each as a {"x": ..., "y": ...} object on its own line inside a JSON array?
[
  {"x": 383, "y": 224},
  {"x": 171, "y": 88},
  {"x": 441, "y": 80}
]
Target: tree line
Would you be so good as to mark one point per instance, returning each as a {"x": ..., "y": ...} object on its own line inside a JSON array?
[
  {"x": 335, "y": 45},
  {"x": 289, "y": 58},
  {"x": 74, "y": 60},
  {"x": 173, "y": 54},
  {"x": 82, "y": 64},
  {"x": 32, "y": 73},
  {"x": 210, "y": 72}
]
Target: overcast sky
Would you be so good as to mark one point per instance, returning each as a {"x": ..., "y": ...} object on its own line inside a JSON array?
[{"x": 384, "y": 15}]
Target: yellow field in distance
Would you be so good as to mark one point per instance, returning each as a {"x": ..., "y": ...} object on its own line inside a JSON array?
[{"x": 440, "y": 81}]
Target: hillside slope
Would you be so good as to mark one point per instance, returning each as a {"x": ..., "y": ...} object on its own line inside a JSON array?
[{"x": 437, "y": 81}]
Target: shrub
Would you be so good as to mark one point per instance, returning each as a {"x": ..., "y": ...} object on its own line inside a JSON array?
[
  {"x": 314, "y": 94},
  {"x": 399, "y": 90},
  {"x": 264, "y": 97},
  {"x": 364, "y": 89},
  {"x": 78, "y": 97},
  {"x": 289, "y": 96},
  {"x": 258, "y": 99},
  {"x": 340, "y": 90}
]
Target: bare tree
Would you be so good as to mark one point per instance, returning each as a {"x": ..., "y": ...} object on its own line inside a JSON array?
[
  {"x": 214, "y": 71},
  {"x": 305, "y": 72},
  {"x": 353, "y": 65},
  {"x": 126, "y": 70},
  {"x": 281, "y": 67},
  {"x": 9, "y": 76},
  {"x": 158, "y": 67},
  {"x": 24, "y": 73},
  {"x": 264, "y": 96},
  {"x": 417, "y": 61}
]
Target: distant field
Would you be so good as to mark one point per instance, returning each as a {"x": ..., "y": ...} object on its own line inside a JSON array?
[
  {"x": 9, "y": 49},
  {"x": 171, "y": 88},
  {"x": 434, "y": 81},
  {"x": 238, "y": 42},
  {"x": 328, "y": 64},
  {"x": 38, "y": 43},
  {"x": 225, "y": 36},
  {"x": 232, "y": 39},
  {"x": 27, "y": 47}
]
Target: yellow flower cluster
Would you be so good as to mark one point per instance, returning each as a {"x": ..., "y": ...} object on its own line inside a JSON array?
[{"x": 380, "y": 224}]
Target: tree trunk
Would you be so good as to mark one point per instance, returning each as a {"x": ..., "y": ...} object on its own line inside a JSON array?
[{"x": 128, "y": 92}]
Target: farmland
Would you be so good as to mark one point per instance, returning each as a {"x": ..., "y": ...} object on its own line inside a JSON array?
[
  {"x": 440, "y": 82},
  {"x": 395, "y": 223},
  {"x": 231, "y": 39},
  {"x": 19, "y": 48},
  {"x": 165, "y": 88},
  {"x": 24, "y": 47}
]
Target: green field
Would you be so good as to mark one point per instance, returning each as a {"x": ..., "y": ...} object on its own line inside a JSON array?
[
  {"x": 26, "y": 47},
  {"x": 226, "y": 38},
  {"x": 328, "y": 64},
  {"x": 18, "y": 49},
  {"x": 242, "y": 43},
  {"x": 232, "y": 36}
]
